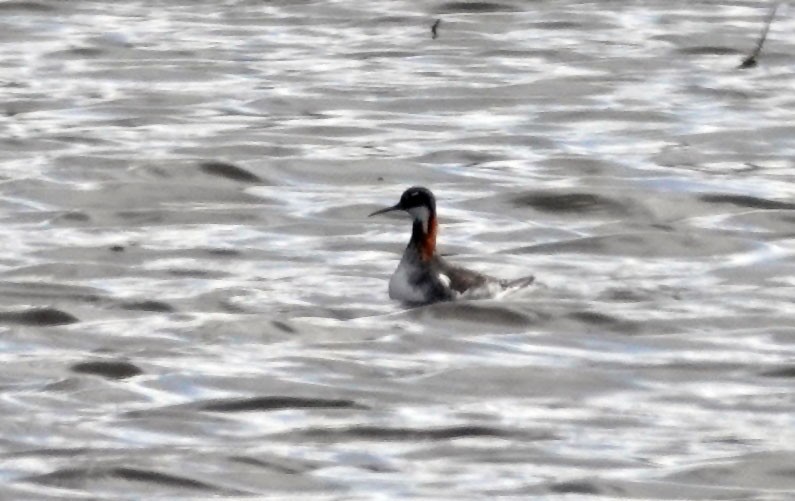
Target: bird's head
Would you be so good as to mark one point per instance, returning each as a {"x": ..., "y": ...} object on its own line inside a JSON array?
[{"x": 417, "y": 201}]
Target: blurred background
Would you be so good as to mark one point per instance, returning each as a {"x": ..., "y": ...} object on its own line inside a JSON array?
[{"x": 194, "y": 304}]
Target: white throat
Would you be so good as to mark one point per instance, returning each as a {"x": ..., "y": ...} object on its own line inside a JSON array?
[{"x": 421, "y": 214}]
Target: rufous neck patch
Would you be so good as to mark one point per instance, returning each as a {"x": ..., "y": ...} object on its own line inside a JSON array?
[{"x": 428, "y": 243}]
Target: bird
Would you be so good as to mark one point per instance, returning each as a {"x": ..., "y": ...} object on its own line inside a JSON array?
[{"x": 423, "y": 276}]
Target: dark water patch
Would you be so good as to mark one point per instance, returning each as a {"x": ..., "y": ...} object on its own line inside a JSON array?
[
  {"x": 116, "y": 248},
  {"x": 732, "y": 440},
  {"x": 579, "y": 203},
  {"x": 146, "y": 216},
  {"x": 80, "y": 52},
  {"x": 378, "y": 433},
  {"x": 38, "y": 316},
  {"x": 625, "y": 295},
  {"x": 148, "y": 305},
  {"x": 283, "y": 326},
  {"x": 746, "y": 201},
  {"x": 48, "y": 292},
  {"x": 115, "y": 369},
  {"x": 163, "y": 479},
  {"x": 575, "y": 487},
  {"x": 230, "y": 307},
  {"x": 473, "y": 7},
  {"x": 592, "y": 317},
  {"x": 472, "y": 312},
  {"x": 86, "y": 51},
  {"x": 54, "y": 452},
  {"x": 342, "y": 313},
  {"x": 604, "y": 321},
  {"x": 556, "y": 25},
  {"x": 382, "y": 54},
  {"x": 787, "y": 372},
  {"x": 393, "y": 19},
  {"x": 708, "y": 50},
  {"x": 277, "y": 403},
  {"x": 194, "y": 273},
  {"x": 229, "y": 171},
  {"x": 76, "y": 478},
  {"x": 221, "y": 252},
  {"x": 278, "y": 466},
  {"x": 621, "y": 115},
  {"x": 517, "y": 53},
  {"x": 77, "y": 216},
  {"x": 26, "y": 6},
  {"x": 646, "y": 244}
]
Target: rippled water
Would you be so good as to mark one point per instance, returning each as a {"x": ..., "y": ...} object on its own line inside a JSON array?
[{"x": 194, "y": 303}]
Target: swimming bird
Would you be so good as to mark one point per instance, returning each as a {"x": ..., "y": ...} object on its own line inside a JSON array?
[{"x": 423, "y": 276}]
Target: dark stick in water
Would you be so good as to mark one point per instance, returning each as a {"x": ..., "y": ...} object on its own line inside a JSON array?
[
  {"x": 750, "y": 61},
  {"x": 434, "y": 28}
]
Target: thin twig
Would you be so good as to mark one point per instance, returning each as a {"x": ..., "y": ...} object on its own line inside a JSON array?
[
  {"x": 435, "y": 26},
  {"x": 750, "y": 61}
]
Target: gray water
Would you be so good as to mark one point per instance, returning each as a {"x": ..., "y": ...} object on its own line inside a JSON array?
[{"x": 194, "y": 304}]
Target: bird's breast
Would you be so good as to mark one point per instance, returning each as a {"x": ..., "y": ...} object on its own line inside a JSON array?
[{"x": 403, "y": 285}]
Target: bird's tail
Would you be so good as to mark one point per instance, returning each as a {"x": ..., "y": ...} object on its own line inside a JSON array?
[{"x": 518, "y": 283}]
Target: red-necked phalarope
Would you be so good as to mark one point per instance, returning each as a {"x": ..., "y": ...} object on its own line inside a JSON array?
[{"x": 422, "y": 275}]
